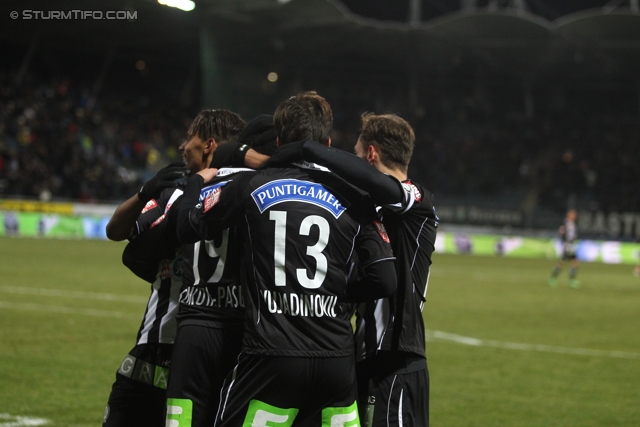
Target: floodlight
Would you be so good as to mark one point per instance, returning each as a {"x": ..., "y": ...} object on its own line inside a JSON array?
[{"x": 186, "y": 5}]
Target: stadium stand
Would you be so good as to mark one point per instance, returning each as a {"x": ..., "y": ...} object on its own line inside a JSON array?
[
  {"x": 524, "y": 105},
  {"x": 59, "y": 141}
]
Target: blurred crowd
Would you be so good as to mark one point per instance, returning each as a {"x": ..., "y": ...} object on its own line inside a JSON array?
[
  {"x": 60, "y": 141},
  {"x": 586, "y": 160}
]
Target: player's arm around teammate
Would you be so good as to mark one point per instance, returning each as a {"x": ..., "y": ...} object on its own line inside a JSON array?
[
  {"x": 212, "y": 303},
  {"x": 393, "y": 375},
  {"x": 121, "y": 224},
  {"x": 297, "y": 359}
]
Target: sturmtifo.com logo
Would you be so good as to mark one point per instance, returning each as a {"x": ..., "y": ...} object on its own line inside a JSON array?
[{"x": 121, "y": 15}]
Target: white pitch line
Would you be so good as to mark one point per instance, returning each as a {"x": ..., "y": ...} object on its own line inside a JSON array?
[
  {"x": 67, "y": 310},
  {"x": 459, "y": 339},
  {"x": 71, "y": 294},
  {"x": 19, "y": 421}
]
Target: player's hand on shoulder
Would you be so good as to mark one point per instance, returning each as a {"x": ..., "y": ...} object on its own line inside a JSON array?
[
  {"x": 208, "y": 174},
  {"x": 171, "y": 176},
  {"x": 285, "y": 154}
]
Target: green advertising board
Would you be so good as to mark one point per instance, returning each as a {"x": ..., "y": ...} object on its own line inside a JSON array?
[
  {"x": 33, "y": 224},
  {"x": 611, "y": 252}
]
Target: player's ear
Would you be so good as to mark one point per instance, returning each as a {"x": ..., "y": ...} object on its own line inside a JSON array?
[
  {"x": 210, "y": 145},
  {"x": 278, "y": 143},
  {"x": 372, "y": 153},
  {"x": 328, "y": 143}
]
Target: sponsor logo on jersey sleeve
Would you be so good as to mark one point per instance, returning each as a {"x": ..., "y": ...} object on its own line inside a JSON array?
[
  {"x": 212, "y": 199},
  {"x": 150, "y": 205},
  {"x": 210, "y": 196},
  {"x": 211, "y": 188},
  {"x": 293, "y": 190},
  {"x": 382, "y": 231},
  {"x": 410, "y": 186}
]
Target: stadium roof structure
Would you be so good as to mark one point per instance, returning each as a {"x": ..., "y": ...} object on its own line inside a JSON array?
[
  {"x": 502, "y": 39},
  {"x": 326, "y": 36}
]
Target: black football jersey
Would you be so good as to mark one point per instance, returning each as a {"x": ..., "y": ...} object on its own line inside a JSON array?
[
  {"x": 396, "y": 323},
  {"x": 156, "y": 259},
  {"x": 211, "y": 291},
  {"x": 299, "y": 237}
]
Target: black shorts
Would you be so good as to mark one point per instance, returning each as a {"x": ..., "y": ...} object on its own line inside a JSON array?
[
  {"x": 202, "y": 358},
  {"x": 134, "y": 404},
  {"x": 138, "y": 396},
  {"x": 398, "y": 398},
  {"x": 568, "y": 251},
  {"x": 289, "y": 391}
]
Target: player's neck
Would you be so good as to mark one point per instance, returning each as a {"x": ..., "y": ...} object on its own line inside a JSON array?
[{"x": 394, "y": 172}]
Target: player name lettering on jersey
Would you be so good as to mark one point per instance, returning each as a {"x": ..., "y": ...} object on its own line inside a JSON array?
[
  {"x": 303, "y": 305},
  {"x": 293, "y": 190},
  {"x": 229, "y": 296}
]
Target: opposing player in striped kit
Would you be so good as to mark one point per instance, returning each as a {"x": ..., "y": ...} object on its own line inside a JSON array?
[{"x": 568, "y": 233}]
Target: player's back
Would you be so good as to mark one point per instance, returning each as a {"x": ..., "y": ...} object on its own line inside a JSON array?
[
  {"x": 395, "y": 323},
  {"x": 299, "y": 241},
  {"x": 211, "y": 291}
]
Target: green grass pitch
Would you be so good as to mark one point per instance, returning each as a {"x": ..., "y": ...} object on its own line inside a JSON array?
[{"x": 504, "y": 348}]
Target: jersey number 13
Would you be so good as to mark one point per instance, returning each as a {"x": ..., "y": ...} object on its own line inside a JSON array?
[{"x": 309, "y": 281}]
